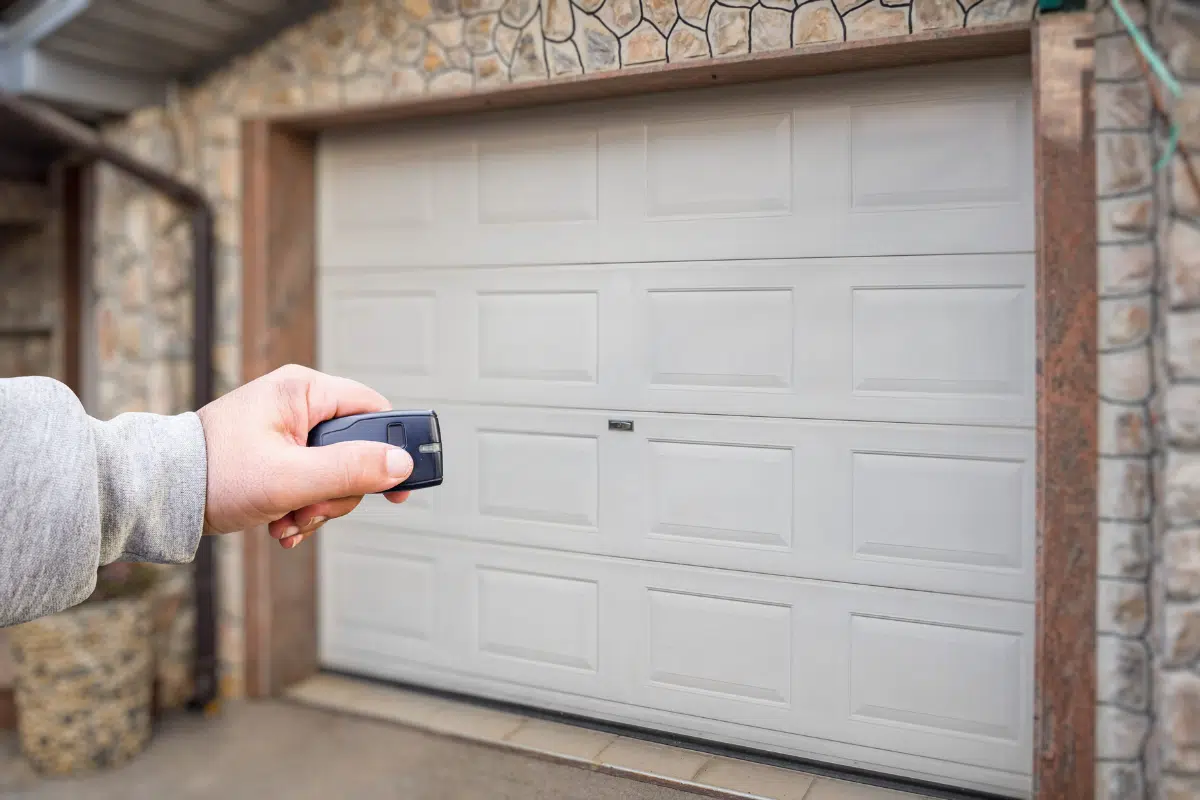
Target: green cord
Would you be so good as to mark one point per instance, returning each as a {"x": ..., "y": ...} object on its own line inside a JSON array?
[
  {"x": 1160, "y": 69},
  {"x": 1172, "y": 146},
  {"x": 1152, "y": 58}
]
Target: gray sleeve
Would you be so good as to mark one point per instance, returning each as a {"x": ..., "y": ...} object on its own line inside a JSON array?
[{"x": 77, "y": 493}]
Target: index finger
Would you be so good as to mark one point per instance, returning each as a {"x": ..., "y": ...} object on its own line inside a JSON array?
[{"x": 330, "y": 396}]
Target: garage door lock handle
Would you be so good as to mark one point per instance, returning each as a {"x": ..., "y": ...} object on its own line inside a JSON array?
[{"x": 620, "y": 425}]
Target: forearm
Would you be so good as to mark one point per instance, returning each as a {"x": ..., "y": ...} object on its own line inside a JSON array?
[{"x": 76, "y": 493}]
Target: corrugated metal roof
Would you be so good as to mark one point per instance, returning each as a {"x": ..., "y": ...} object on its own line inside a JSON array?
[
  {"x": 97, "y": 58},
  {"x": 170, "y": 38}
]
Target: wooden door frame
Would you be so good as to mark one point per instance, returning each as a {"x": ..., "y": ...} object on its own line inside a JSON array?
[{"x": 279, "y": 327}]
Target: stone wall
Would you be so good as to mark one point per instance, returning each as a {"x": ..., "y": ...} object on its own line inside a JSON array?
[
  {"x": 1148, "y": 736},
  {"x": 367, "y": 51},
  {"x": 30, "y": 274}
]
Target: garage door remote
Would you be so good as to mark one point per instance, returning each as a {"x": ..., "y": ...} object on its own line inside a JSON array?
[{"x": 417, "y": 432}]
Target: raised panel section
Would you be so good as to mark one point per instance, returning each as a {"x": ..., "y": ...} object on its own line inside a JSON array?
[
  {"x": 538, "y": 178},
  {"x": 716, "y": 645},
  {"x": 689, "y": 166},
  {"x": 539, "y": 477},
  {"x": 723, "y": 494},
  {"x": 955, "y": 679},
  {"x": 378, "y": 185},
  {"x": 393, "y": 331},
  {"x": 383, "y": 592},
  {"x": 547, "y": 620},
  {"x": 727, "y": 338},
  {"x": 538, "y": 336},
  {"x": 940, "y": 340},
  {"x": 935, "y": 153},
  {"x": 954, "y": 510}
]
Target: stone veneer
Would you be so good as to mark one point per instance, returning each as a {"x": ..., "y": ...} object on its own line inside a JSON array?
[
  {"x": 367, "y": 51},
  {"x": 1148, "y": 736}
]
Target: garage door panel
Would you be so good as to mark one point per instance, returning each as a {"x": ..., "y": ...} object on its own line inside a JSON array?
[
  {"x": 825, "y": 167},
  {"x": 839, "y": 661},
  {"x": 942, "y": 339},
  {"x": 737, "y": 389},
  {"x": 911, "y": 672},
  {"x": 384, "y": 600},
  {"x": 942, "y": 508}
]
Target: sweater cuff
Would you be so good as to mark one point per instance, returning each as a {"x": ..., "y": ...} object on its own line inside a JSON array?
[{"x": 153, "y": 487}]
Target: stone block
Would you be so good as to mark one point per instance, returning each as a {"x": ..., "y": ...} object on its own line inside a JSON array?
[
  {"x": 1125, "y": 375},
  {"x": 1183, "y": 343},
  {"x": 1123, "y": 163},
  {"x": 1180, "y": 788},
  {"x": 875, "y": 20},
  {"x": 1123, "y": 673},
  {"x": 1121, "y": 607},
  {"x": 1116, "y": 59},
  {"x": 1180, "y": 732},
  {"x": 1123, "y": 106},
  {"x": 729, "y": 31},
  {"x": 1120, "y": 734},
  {"x": 1125, "y": 321},
  {"x": 816, "y": 22},
  {"x": 1182, "y": 408},
  {"x": 1125, "y": 219},
  {"x": 1183, "y": 263},
  {"x": 1107, "y": 22},
  {"x": 1119, "y": 781},
  {"x": 1184, "y": 199},
  {"x": 1181, "y": 623},
  {"x": 1124, "y": 550},
  {"x": 1186, "y": 115},
  {"x": 770, "y": 29},
  {"x": 1181, "y": 479},
  {"x": 1181, "y": 563},
  {"x": 645, "y": 45}
]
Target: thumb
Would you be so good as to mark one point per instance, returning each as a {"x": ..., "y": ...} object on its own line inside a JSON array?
[{"x": 348, "y": 469}]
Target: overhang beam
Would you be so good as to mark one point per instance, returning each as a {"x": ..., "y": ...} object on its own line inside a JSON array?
[{"x": 56, "y": 80}]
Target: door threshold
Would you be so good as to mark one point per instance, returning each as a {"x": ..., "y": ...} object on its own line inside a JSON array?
[{"x": 702, "y": 768}]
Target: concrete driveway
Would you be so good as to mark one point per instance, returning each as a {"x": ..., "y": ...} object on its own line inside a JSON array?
[{"x": 278, "y": 749}]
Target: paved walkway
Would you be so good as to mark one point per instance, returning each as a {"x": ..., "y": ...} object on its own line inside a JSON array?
[{"x": 278, "y": 749}]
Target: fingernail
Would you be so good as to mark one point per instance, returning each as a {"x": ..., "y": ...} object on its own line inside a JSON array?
[
  {"x": 291, "y": 531},
  {"x": 315, "y": 523},
  {"x": 399, "y": 463}
]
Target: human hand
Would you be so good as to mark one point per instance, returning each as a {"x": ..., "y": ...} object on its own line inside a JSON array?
[{"x": 260, "y": 470}]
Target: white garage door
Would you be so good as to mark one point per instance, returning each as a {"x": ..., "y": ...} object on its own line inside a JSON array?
[{"x": 737, "y": 389}]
